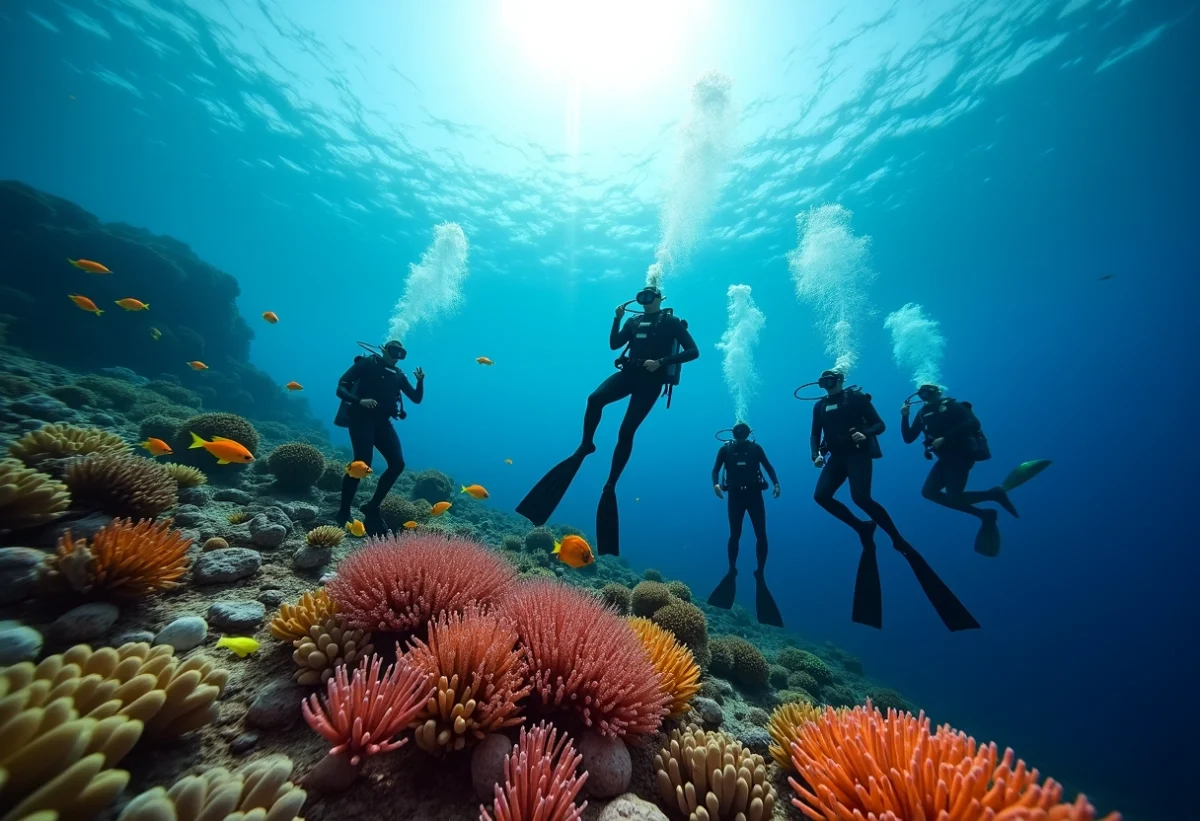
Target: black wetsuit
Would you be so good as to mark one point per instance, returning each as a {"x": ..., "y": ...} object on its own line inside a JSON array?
[
  {"x": 744, "y": 462},
  {"x": 835, "y": 419},
  {"x": 371, "y": 428},
  {"x": 651, "y": 336},
  {"x": 954, "y": 423}
]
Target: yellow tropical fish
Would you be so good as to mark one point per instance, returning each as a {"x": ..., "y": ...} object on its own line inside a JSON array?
[
  {"x": 356, "y": 528},
  {"x": 410, "y": 525},
  {"x": 475, "y": 491},
  {"x": 240, "y": 645},
  {"x": 358, "y": 469},
  {"x": 574, "y": 551},
  {"x": 440, "y": 508}
]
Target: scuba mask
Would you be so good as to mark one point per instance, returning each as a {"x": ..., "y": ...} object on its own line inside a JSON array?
[
  {"x": 395, "y": 349},
  {"x": 647, "y": 295},
  {"x": 740, "y": 428},
  {"x": 829, "y": 379}
]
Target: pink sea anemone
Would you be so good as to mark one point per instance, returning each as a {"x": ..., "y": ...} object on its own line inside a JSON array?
[{"x": 540, "y": 781}]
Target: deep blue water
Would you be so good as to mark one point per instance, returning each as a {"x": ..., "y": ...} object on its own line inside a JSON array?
[{"x": 1026, "y": 150}]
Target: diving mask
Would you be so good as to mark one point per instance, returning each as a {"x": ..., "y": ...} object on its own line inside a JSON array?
[{"x": 647, "y": 295}]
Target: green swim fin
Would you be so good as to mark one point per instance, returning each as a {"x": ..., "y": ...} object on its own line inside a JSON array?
[
  {"x": 987, "y": 540},
  {"x": 722, "y": 596},
  {"x": 1023, "y": 473}
]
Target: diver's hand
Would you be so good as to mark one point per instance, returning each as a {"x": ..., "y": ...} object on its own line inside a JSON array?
[
  {"x": 652, "y": 365},
  {"x": 717, "y": 490},
  {"x": 620, "y": 311},
  {"x": 858, "y": 437},
  {"x": 905, "y": 408},
  {"x": 819, "y": 462},
  {"x": 369, "y": 404},
  {"x": 937, "y": 443},
  {"x": 775, "y": 493},
  {"x": 419, "y": 374}
]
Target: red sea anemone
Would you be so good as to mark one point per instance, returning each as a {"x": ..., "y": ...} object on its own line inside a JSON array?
[
  {"x": 540, "y": 783},
  {"x": 585, "y": 658},
  {"x": 399, "y": 583}
]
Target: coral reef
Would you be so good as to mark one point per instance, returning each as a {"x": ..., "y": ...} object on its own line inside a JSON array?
[
  {"x": 685, "y": 620},
  {"x": 477, "y": 671},
  {"x": 184, "y": 475},
  {"x": 747, "y": 665},
  {"x": 784, "y": 726},
  {"x": 295, "y": 621},
  {"x": 325, "y": 536},
  {"x": 206, "y": 426},
  {"x": 73, "y": 396},
  {"x": 433, "y": 486},
  {"x": 296, "y": 466},
  {"x": 677, "y": 669},
  {"x": 29, "y": 498},
  {"x": 121, "y": 485},
  {"x": 540, "y": 540},
  {"x": 680, "y": 591},
  {"x": 800, "y": 680},
  {"x": 540, "y": 780},
  {"x": 123, "y": 560},
  {"x": 711, "y": 773},
  {"x": 60, "y": 441},
  {"x": 159, "y": 425},
  {"x": 915, "y": 773},
  {"x": 800, "y": 660},
  {"x": 396, "y": 510},
  {"x": 328, "y": 645},
  {"x": 261, "y": 786},
  {"x": 616, "y": 596},
  {"x": 648, "y": 597}
]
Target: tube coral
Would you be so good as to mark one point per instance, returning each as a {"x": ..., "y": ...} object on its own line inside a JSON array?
[
  {"x": 29, "y": 498},
  {"x": 400, "y": 583},
  {"x": 294, "y": 621},
  {"x": 260, "y": 790},
  {"x": 540, "y": 781},
  {"x": 677, "y": 669},
  {"x": 859, "y": 764},
  {"x": 706, "y": 775},
  {"x": 785, "y": 725},
  {"x": 123, "y": 559},
  {"x": 362, "y": 715},
  {"x": 586, "y": 658}
]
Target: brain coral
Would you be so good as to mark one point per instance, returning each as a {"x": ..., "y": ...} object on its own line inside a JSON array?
[
  {"x": 29, "y": 498},
  {"x": 396, "y": 510},
  {"x": 59, "y": 441},
  {"x": 648, "y": 597},
  {"x": 296, "y": 465},
  {"x": 616, "y": 597},
  {"x": 122, "y": 485},
  {"x": 539, "y": 540},
  {"x": 433, "y": 486}
]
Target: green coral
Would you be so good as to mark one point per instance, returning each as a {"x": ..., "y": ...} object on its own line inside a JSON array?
[
  {"x": 684, "y": 619},
  {"x": 158, "y": 426},
  {"x": 750, "y": 667},
  {"x": 512, "y": 544},
  {"x": 649, "y": 597},
  {"x": 801, "y": 680},
  {"x": 72, "y": 396},
  {"x": 758, "y": 716},
  {"x": 839, "y": 695},
  {"x": 540, "y": 540},
  {"x": 710, "y": 690},
  {"x": 13, "y": 386},
  {"x": 680, "y": 591},
  {"x": 779, "y": 677},
  {"x": 433, "y": 486},
  {"x": 113, "y": 393},
  {"x": 652, "y": 575},
  {"x": 177, "y": 394},
  {"x": 796, "y": 659},
  {"x": 296, "y": 466},
  {"x": 539, "y": 573},
  {"x": 396, "y": 510},
  {"x": 886, "y": 698},
  {"x": 616, "y": 597},
  {"x": 792, "y": 696},
  {"x": 331, "y": 476},
  {"x": 721, "y": 657}
]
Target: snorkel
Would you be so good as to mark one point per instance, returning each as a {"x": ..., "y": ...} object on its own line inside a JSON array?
[
  {"x": 924, "y": 395},
  {"x": 827, "y": 379},
  {"x": 644, "y": 298}
]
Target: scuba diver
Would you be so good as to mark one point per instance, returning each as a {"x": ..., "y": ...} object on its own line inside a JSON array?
[
  {"x": 372, "y": 392},
  {"x": 656, "y": 343},
  {"x": 744, "y": 461},
  {"x": 844, "y": 441},
  {"x": 953, "y": 434}
]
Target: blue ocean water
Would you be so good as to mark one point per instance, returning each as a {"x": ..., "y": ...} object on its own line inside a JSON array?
[{"x": 1002, "y": 157}]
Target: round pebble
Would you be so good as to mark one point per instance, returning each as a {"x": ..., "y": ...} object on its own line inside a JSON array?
[
  {"x": 84, "y": 623},
  {"x": 184, "y": 633},
  {"x": 239, "y": 616},
  {"x": 607, "y": 763},
  {"x": 18, "y": 643}
]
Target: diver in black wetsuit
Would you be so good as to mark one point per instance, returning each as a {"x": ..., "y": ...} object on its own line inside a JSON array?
[
  {"x": 744, "y": 462},
  {"x": 844, "y": 441},
  {"x": 657, "y": 343},
  {"x": 371, "y": 397},
  {"x": 953, "y": 434}
]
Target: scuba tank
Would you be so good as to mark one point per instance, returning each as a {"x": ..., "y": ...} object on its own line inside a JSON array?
[{"x": 671, "y": 372}]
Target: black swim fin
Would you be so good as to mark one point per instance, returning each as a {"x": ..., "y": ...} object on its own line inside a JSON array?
[
  {"x": 608, "y": 524},
  {"x": 987, "y": 540},
  {"x": 374, "y": 523},
  {"x": 868, "y": 597},
  {"x": 539, "y": 504},
  {"x": 951, "y": 611},
  {"x": 722, "y": 596},
  {"x": 764, "y": 603}
]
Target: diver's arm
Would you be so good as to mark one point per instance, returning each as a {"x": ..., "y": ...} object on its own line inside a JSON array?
[
  {"x": 687, "y": 347},
  {"x": 814, "y": 439},
  {"x": 910, "y": 432},
  {"x": 346, "y": 383},
  {"x": 874, "y": 426},
  {"x": 766, "y": 465},
  {"x": 619, "y": 336},
  {"x": 415, "y": 395},
  {"x": 716, "y": 473}
]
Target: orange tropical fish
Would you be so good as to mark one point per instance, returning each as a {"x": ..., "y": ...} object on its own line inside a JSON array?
[
  {"x": 226, "y": 450},
  {"x": 440, "y": 508},
  {"x": 85, "y": 304},
  {"x": 157, "y": 447},
  {"x": 483, "y": 360},
  {"x": 294, "y": 386},
  {"x": 89, "y": 266},
  {"x": 410, "y": 525},
  {"x": 358, "y": 469},
  {"x": 197, "y": 365},
  {"x": 573, "y": 551},
  {"x": 270, "y": 316},
  {"x": 131, "y": 304},
  {"x": 356, "y": 528},
  {"x": 475, "y": 491}
]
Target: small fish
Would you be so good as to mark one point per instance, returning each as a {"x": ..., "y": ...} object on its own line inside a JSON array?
[
  {"x": 71, "y": 97},
  {"x": 197, "y": 365},
  {"x": 410, "y": 525},
  {"x": 358, "y": 469},
  {"x": 475, "y": 491},
  {"x": 483, "y": 360},
  {"x": 155, "y": 334},
  {"x": 157, "y": 447},
  {"x": 637, "y": 498},
  {"x": 356, "y": 528},
  {"x": 85, "y": 304},
  {"x": 131, "y": 304},
  {"x": 241, "y": 646},
  {"x": 226, "y": 450},
  {"x": 1107, "y": 276},
  {"x": 440, "y": 508},
  {"x": 573, "y": 551},
  {"x": 294, "y": 386},
  {"x": 508, "y": 461},
  {"x": 89, "y": 266},
  {"x": 270, "y": 316}
]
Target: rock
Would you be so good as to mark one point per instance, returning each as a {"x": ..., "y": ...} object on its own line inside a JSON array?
[
  {"x": 629, "y": 807},
  {"x": 215, "y": 543},
  {"x": 102, "y": 420},
  {"x": 18, "y": 643},
  {"x": 487, "y": 764},
  {"x": 245, "y": 743},
  {"x": 198, "y": 496},
  {"x": 326, "y": 578},
  {"x": 725, "y": 688},
  {"x": 232, "y": 494},
  {"x": 607, "y": 763},
  {"x": 307, "y": 557},
  {"x": 276, "y": 707},
  {"x": 226, "y": 565},
  {"x": 184, "y": 633},
  {"x": 20, "y": 572},
  {"x": 188, "y": 516},
  {"x": 301, "y": 512},
  {"x": 334, "y": 773},
  {"x": 270, "y": 528},
  {"x": 40, "y": 406},
  {"x": 710, "y": 712},
  {"x": 134, "y": 637},
  {"x": 238, "y": 616},
  {"x": 271, "y": 598},
  {"x": 85, "y": 622},
  {"x": 756, "y": 739},
  {"x": 84, "y": 527}
]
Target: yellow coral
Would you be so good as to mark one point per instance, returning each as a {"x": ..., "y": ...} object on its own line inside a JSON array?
[
  {"x": 677, "y": 669},
  {"x": 238, "y": 517},
  {"x": 59, "y": 441},
  {"x": 29, "y": 498},
  {"x": 294, "y": 621},
  {"x": 328, "y": 645},
  {"x": 327, "y": 536},
  {"x": 784, "y": 727},
  {"x": 708, "y": 775},
  {"x": 123, "y": 559},
  {"x": 184, "y": 475},
  {"x": 260, "y": 790}
]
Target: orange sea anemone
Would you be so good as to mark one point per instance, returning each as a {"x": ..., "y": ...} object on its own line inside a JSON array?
[
  {"x": 540, "y": 781},
  {"x": 677, "y": 669},
  {"x": 124, "y": 560},
  {"x": 862, "y": 766}
]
